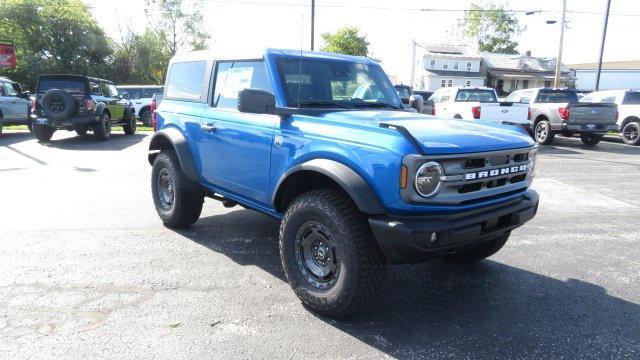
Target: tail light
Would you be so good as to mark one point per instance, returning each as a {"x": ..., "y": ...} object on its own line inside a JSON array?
[
  {"x": 153, "y": 107},
  {"x": 33, "y": 105},
  {"x": 433, "y": 109},
  {"x": 564, "y": 113},
  {"x": 476, "y": 112},
  {"x": 89, "y": 104},
  {"x": 529, "y": 114}
]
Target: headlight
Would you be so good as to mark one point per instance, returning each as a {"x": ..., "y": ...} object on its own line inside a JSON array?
[{"x": 429, "y": 179}]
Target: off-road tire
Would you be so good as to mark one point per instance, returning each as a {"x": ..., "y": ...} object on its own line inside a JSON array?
[
  {"x": 590, "y": 139},
  {"x": 479, "y": 252},
  {"x": 361, "y": 264},
  {"x": 631, "y": 133},
  {"x": 43, "y": 132},
  {"x": 542, "y": 132},
  {"x": 58, "y": 104},
  {"x": 187, "y": 199},
  {"x": 102, "y": 130},
  {"x": 145, "y": 117},
  {"x": 130, "y": 124}
]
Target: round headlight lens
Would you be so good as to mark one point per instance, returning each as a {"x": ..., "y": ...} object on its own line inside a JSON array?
[{"x": 429, "y": 179}]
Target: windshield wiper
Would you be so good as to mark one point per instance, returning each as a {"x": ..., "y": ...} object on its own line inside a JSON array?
[
  {"x": 323, "y": 103},
  {"x": 363, "y": 103}
]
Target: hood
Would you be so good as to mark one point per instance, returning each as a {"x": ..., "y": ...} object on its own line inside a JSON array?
[{"x": 442, "y": 136}]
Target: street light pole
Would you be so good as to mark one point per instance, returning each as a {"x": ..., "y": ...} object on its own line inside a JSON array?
[
  {"x": 413, "y": 62},
  {"x": 604, "y": 36},
  {"x": 556, "y": 80},
  {"x": 313, "y": 20}
]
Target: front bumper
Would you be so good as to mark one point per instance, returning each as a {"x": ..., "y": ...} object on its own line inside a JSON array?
[{"x": 408, "y": 239}]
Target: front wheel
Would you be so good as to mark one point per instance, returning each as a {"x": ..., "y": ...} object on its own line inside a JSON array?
[
  {"x": 102, "y": 130},
  {"x": 543, "y": 133},
  {"x": 175, "y": 197},
  {"x": 329, "y": 255},
  {"x": 631, "y": 133},
  {"x": 43, "y": 132},
  {"x": 481, "y": 251},
  {"x": 590, "y": 139}
]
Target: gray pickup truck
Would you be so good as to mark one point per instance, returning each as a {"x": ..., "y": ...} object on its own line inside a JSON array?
[{"x": 558, "y": 111}]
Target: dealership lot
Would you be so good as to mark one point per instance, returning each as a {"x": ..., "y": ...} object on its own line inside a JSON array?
[{"x": 87, "y": 269}]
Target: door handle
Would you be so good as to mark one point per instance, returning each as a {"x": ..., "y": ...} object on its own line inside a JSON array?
[{"x": 211, "y": 128}]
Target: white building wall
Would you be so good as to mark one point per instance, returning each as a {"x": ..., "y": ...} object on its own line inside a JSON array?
[
  {"x": 433, "y": 83},
  {"x": 609, "y": 79},
  {"x": 437, "y": 63}
]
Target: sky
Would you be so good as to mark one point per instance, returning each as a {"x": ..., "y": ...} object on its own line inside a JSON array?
[{"x": 249, "y": 26}]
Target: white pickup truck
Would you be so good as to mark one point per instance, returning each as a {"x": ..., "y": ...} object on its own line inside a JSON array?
[
  {"x": 478, "y": 103},
  {"x": 628, "y": 102}
]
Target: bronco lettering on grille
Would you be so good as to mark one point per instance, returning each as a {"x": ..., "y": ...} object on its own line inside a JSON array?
[{"x": 495, "y": 172}]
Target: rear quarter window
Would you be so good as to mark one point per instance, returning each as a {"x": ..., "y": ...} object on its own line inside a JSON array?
[
  {"x": 473, "y": 95},
  {"x": 631, "y": 98},
  {"x": 186, "y": 81},
  {"x": 557, "y": 96}
]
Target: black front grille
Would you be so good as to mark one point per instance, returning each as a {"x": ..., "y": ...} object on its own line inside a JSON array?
[{"x": 474, "y": 163}]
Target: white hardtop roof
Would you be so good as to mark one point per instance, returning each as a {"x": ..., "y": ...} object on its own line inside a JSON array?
[{"x": 216, "y": 55}]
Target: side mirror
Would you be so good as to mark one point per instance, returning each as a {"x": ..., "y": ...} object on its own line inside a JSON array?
[
  {"x": 256, "y": 101},
  {"x": 26, "y": 94},
  {"x": 416, "y": 102}
]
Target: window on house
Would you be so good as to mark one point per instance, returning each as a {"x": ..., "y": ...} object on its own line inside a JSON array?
[
  {"x": 455, "y": 65},
  {"x": 525, "y": 84},
  {"x": 444, "y": 83},
  {"x": 468, "y": 65},
  {"x": 547, "y": 84},
  {"x": 468, "y": 83},
  {"x": 450, "y": 83},
  {"x": 432, "y": 64},
  {"x": 445, "y": 66}
]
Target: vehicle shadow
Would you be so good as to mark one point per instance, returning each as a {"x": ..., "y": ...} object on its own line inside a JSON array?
[
  {"x": 565, "y": 145},
  {"x": 9, "y": 138},
  {"x": 117, "y": 141},
  {"x": 438, "y": 309}
]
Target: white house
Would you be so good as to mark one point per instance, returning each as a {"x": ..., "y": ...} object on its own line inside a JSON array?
[
  {"x": 446, "y": 66},
  {"x": 614, "y": 75}
]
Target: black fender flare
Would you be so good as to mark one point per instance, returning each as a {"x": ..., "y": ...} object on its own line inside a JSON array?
[
  {"x": 173, "y": 138},
  {"x": 350, "y": 181},
  {"x": 100, "y": 109}
]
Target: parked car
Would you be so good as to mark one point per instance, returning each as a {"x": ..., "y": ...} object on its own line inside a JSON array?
[
  {"x": 140, "y": 97},
  {"x": 478, "y": 103},
  {"x": 15, "y": 104},
  {"x": 80, "y": 103},
  {"x": 558, "y": 111},
  {"x": 628, "y": 102},
  {"x": 357, "y": 182}
]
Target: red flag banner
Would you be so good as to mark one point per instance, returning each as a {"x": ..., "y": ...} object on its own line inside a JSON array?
[{"x": 7, "y": 56}]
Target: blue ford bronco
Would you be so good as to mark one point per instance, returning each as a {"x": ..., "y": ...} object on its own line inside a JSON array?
[{"x": 323, "y": 143}]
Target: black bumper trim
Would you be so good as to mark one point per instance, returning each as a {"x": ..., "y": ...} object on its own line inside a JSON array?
[{"x": 407, "y": 239}]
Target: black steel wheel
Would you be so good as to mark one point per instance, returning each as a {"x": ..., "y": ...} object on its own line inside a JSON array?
[
  {"x": 631, "y": 133},
  {"x": 329, "y": 255}
]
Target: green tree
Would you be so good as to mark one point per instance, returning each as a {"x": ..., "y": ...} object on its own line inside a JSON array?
[
  {"x": 140, "y": 59},
  {"x": 53, "y": 36},
  {"x": 493, "y": 27},
  {"x": 346, "y": 41},
  {"x": 179, "y": 23}
]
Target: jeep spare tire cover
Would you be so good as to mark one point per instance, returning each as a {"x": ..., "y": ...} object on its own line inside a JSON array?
[{"x": 58, "y": 104}]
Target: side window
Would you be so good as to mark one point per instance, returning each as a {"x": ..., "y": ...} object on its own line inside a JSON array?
[
  {"x": 9, "y": 90},
  {"x": 95, "y": 88},
  {"x": 2, "y": 91},
  {"x": 186, "y": 80},
  {"x": 231, "y": 77},
  {"x": 105, "y": 89}
]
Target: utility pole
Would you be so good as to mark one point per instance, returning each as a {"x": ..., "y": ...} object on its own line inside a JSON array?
[
  {"x": 556, "y": 80},
  {"x": 604, "y": 36},
  {"x": 413, "y": 62},
  {"x": 313, "y": 20}
]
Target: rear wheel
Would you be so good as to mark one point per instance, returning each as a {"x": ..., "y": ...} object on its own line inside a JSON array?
[
  {"x": 329, "y": 255},
  {"x": 102, "y": 130},
  {"x": 480, "y": 251},
  {"x": 145, "y": 117},
  {"x": 543, "y": 133},
  {"x": 43, "y": 132},
  {"x": 130, "y": 124},
  {"x": 176, "y": 198},
  {"x": 631, "y": 133},
  {"x": 590, "y": 139}
]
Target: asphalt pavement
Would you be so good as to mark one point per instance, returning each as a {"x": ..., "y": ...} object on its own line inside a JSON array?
[{"x": 88, "y": 271}]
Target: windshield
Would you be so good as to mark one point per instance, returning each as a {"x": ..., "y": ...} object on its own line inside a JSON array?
[
  {"x": 476, "y": 95},
  {"x": 632, "y": 98},
  {"x": 557, "y": 96},
  {"x": 70, "y": 85},
  {"x": 334, "y": 83}
]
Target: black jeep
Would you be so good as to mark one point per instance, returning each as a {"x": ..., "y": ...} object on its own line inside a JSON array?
[{"x": 80, "y": 103}]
